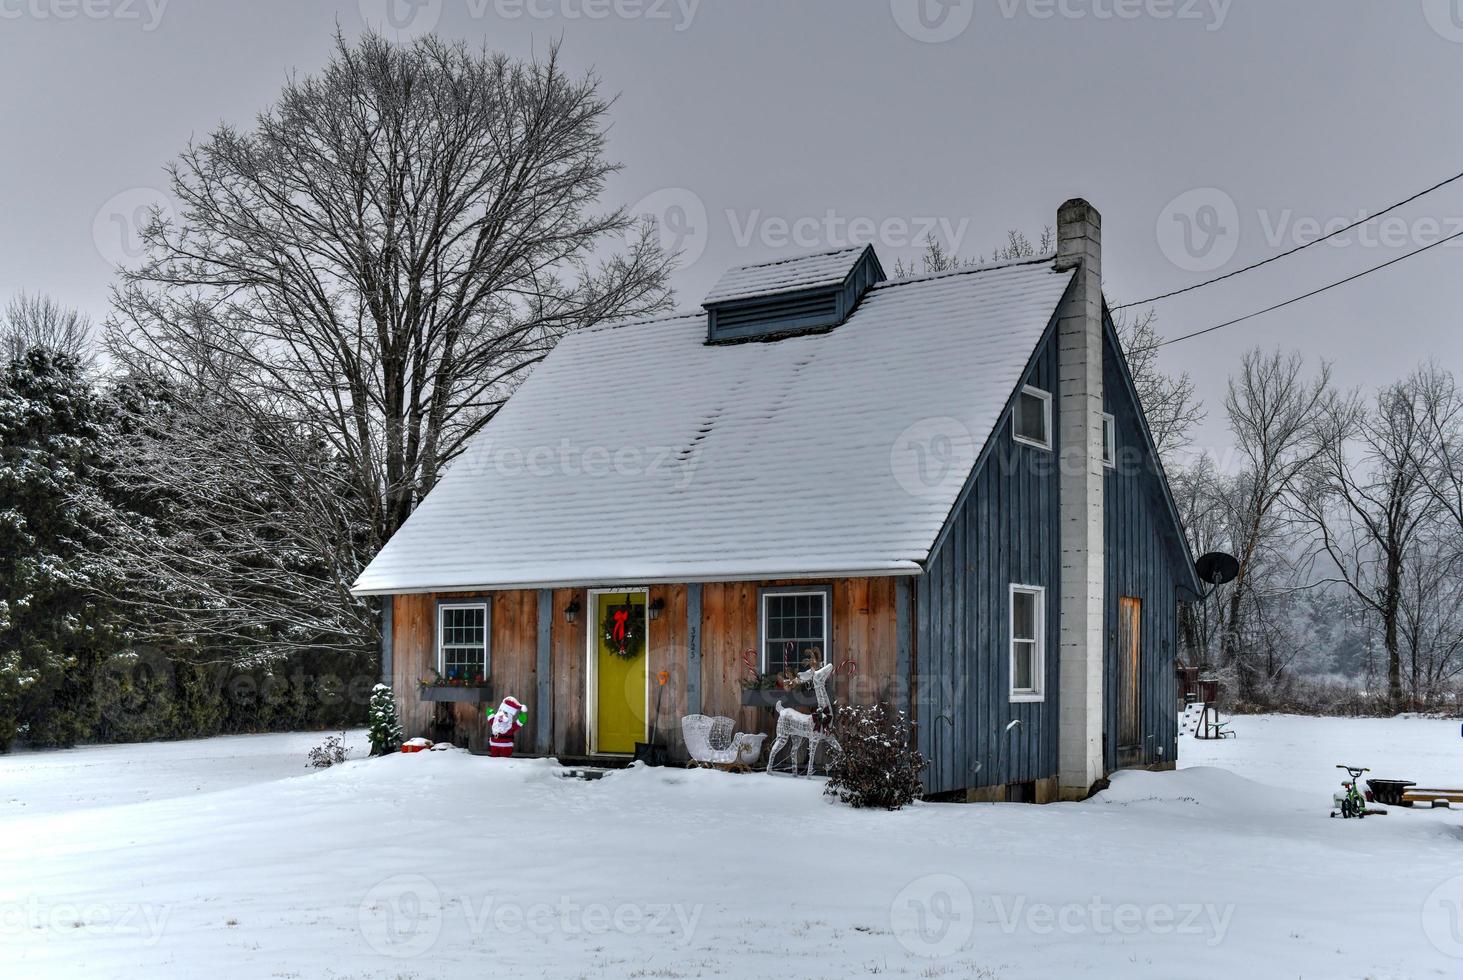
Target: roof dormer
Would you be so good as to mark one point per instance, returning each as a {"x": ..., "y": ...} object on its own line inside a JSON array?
[{"x": 805, "y": 294}]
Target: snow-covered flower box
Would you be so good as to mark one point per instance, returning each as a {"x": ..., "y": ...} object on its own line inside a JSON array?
[{"x": 455, "y": 692}]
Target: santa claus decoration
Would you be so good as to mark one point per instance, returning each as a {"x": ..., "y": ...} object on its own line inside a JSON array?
[{"x": 510, "y": 716}]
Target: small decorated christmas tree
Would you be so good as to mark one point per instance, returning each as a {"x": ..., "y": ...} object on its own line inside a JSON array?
[{"x": 385, "y": 729}]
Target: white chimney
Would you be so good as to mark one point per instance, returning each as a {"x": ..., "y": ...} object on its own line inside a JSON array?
[{"x": 1079, "y": 401}]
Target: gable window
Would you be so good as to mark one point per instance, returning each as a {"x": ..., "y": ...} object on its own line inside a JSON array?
[
  {"x": 794, "y": 627},
  {"x": 1031, "y": 421},
  {"x": 1109, "y": 440},
  {"x": 462, "y": 640},
  {"x": 1028, "y": 641}
]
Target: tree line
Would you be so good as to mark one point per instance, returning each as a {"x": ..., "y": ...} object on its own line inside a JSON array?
[{"x": 342, "y": 296}]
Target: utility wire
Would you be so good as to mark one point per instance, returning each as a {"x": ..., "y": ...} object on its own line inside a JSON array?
[
  {"x": 1277, "y": 258},
  {"x": 1313, "y": 292}
]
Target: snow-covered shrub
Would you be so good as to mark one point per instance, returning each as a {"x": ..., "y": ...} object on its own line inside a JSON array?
[
  {"x": 878, "y": 766},
  {"x": 385, "y": 728},
  {"x": 331, "y": 752}
]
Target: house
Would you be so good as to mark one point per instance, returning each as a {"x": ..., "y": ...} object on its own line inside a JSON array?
[{"x": 944, "y": 484}]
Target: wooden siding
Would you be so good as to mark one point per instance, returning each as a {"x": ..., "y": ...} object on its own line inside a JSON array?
[
  {"x": 1144, "y": 560},
  {"x": 513, "y": 653},
  {"x": 1004, "y": 532},
  {"x": 864, "y": 629}
]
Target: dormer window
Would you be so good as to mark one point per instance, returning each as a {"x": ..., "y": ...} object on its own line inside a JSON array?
[
  {"x": 805, "y": 294},
  {"x": 1031, "y": 420}
]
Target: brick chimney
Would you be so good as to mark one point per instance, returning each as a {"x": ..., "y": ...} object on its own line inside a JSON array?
[{"x": 1079, "y": 414}]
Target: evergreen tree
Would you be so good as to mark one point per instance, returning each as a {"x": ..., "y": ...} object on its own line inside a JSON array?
[
  {"x": 385, "y": 728},
  {"x": 53, "y": 628}
]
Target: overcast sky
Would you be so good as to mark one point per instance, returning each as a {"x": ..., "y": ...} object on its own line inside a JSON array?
[{"x": 1210, "y": 133}]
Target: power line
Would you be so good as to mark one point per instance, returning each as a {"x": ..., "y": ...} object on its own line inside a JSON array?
[
  {"x": 1313, "y": 292},
  {"x": 1277, "y": 258}
]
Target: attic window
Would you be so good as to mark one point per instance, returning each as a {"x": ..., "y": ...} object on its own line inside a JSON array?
[
  {"x": 1031, "y": 421},
  {"x": 1109, "y": 440},
  {"x": 804, "y": 294}
]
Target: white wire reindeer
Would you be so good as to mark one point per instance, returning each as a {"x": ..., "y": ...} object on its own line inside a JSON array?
[{"x": 801, "y": 728}]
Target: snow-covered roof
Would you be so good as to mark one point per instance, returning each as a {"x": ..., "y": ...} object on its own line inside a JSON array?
[
  {"x": 639, "y": 453},
  {"x": 785, "y": 275}
]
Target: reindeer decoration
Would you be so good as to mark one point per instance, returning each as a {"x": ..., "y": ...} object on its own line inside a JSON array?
[{"x": 812, "y": 729}]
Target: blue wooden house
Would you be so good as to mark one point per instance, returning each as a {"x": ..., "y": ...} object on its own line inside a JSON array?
[{"x": 943, "y": 484}]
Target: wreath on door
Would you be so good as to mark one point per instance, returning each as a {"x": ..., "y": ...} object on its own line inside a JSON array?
[{"x": 623, "y": 630}]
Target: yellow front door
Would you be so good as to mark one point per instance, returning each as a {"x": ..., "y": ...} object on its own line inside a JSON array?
[{"x": 620, "y": 680}]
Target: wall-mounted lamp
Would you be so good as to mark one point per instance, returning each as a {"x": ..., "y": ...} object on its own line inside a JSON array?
[
  {"x": 656, "y": 606},
  {"x": 571, "y": 611}
]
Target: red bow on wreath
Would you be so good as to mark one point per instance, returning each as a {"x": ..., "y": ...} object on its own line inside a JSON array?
[{"x": 621, "y": 617}]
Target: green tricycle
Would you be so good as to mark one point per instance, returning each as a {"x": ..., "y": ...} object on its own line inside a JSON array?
[{"x": 1350, "y": 803}]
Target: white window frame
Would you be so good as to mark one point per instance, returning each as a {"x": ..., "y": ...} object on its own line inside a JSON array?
[
  {"x": 487, "y": 634},
  {"x": 1046, "y": 412},
  {"x": 1038, "y": 666},
  {"x": 823, "y": 592},
  {"x": 1109, "y": 440}
]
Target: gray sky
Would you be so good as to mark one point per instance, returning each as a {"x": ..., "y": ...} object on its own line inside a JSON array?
[{"x": 1210, "y": 133}]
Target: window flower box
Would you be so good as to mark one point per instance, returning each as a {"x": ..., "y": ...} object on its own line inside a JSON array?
[{"x": 473, "y": 694}]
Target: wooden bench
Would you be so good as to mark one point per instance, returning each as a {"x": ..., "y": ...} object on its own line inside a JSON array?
[{"x": 1432, "y": 797}]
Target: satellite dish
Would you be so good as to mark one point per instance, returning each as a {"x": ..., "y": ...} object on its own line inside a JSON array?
[{"x": 1217, "y": 568}]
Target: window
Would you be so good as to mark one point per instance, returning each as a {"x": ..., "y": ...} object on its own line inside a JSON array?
[
  {"x": 1109, "y": 440},
  {"x": 794, "y": 627},
  {"x": 1031, "y": 422},
  {"x": 462, "y": 640},
  {"x": 1028, "y": 643}
]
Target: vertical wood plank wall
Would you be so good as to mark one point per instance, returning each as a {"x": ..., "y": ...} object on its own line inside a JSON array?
[
  {"x": 1143, "y": 561},
  {"x": 864, "y": 629},
  {"x": 1006, "y": 532},
  {"x": 514, "y": 653}
]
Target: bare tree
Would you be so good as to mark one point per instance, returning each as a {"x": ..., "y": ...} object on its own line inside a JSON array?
[
  {"x": 380, "y": 260},
  {"x": 1430, "y": 615},
  {"x": 1367, "y": 503},
  {"x": 1277, "y": 416},
  {"x": 1168, "y": 400},
  {"x": 1440, "y": 448},
  {"x": 40, "y": 321}
]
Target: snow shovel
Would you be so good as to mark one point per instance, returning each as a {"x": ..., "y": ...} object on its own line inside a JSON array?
[{"x": 649, "y": 752}]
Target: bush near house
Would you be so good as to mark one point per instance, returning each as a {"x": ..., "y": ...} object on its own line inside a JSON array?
[{"x": 879, "y": 766}]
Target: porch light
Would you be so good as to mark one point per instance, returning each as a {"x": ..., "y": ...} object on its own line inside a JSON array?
[
  {"x": 571, "y": 611},
  {"x": 656, "y": 606}
]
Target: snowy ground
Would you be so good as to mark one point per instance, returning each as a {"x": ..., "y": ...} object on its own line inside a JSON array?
[{"x": 224, "y": 859}]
